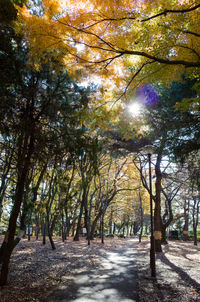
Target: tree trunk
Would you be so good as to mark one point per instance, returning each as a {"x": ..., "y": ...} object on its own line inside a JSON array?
[
  {"x": 9, "y": 240},
  {"x": 186, "y": 218},
  {"x": 195, "y": 218},
  {"x": 19, "y": 235},
  {"x": 111, "y": 220},
  {"x": 195, "y": 235},
  {"x": 114, "y": 229},
  {"x": 135, "y": 228},
  {"x": 102, "y": 228},
  {"x": 23, "y": 171},
  {"x": 141, "y": 218},
  {"x": 37, "y": 226},
  {"x": 50, "y": 234},
  {"x": 29, "y": 235},
  {"x": 94, "y": 224},
  {"x": 52, "y": 226},
  {"x": 164, "y": 237},
  {"x": 89, "y": 220},
  {"x": 76, "y": 237},
  {"x": 157, "y": 209},
  {"x": 44, "y": 233}
]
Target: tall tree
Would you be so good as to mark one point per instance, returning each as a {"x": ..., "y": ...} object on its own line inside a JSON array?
[{"x": 35, "y": 109}]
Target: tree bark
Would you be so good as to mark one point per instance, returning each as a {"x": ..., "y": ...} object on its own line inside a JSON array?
[
  {"x": 76, "y": 237},
  {"x": 195, "y": 218},
  {"x": 102, "y": 228},
  {"x": 157, "y": 209},
  {"x": 186, "y": 218},
  {"x": 141, "y": 219},
  {"x": 50, "y": 233},
  {"x": 22, "y": 175},
  {"x": 44, "y": 233}
]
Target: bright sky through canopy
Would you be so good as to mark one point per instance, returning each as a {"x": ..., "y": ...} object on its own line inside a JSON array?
[{"x": 134, "y": 109}]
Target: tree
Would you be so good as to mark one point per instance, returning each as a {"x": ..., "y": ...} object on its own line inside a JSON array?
[
  {"x": 163, "y": 125},
  {"x": 37, "y": 110},
  {"x": 128, "y": 42}
]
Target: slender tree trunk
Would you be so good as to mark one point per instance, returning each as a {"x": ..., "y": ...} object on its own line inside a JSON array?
[
  {"x": 114, "y": 229},
  {"x": 89, "y": 219},
  {"x": 157, "y": 209},
  {"x": 63, "y": 222},
  {"x": 4, "y": 183},
  {"x": 131, "y": 230},
  {"x": 44, "y": 233},
  {"x": 86, "y": 216},
  {"x": 195, "y": 218},
  {"x": 37, "y": 227},
  {"x": 111, "y": 220},
  {"x": 52, "y": 226},
  {"x": 141, "y": 218},
  {"x": 195, "y": 235},
  {"x": 186, "y": 218},
  {"x": 127, "y": 230},
  {"x": 37, "y": 230},
  {"x": 102, "y": 228},
  {"x": 73, "y": 227},
  {"x": 76, "y": 237},
  {"x": 164, "y": 235},
  {"x": 135, "y": 228},
  {"x": 29, "y": 235},
  {"x": 94, "y": 224},
  {"x": 49, "y": 230}
]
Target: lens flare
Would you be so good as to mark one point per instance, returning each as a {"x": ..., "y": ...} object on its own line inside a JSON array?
[{"x": 147, "y": 94}]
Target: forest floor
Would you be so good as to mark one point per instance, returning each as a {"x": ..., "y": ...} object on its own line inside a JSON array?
[
  {"x": 36, "y": 270},
  {"x": 178, "y": 273}
]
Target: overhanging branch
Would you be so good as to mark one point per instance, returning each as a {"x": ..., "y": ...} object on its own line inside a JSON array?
[{"x": 172, "y": 11}]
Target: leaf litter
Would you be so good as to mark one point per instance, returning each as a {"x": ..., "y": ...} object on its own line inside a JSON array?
[{"x": 36, "y": 270}]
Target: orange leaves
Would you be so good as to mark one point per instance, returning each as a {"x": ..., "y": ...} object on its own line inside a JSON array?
[
  {"x": 111, "y": 37},
  {"x": 51, "y": 7}
]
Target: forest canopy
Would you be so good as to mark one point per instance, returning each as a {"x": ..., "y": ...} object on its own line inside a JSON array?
[{"x": 126, "y": 42}]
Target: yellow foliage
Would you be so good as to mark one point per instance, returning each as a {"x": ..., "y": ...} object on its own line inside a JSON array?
[{"x": 115, "y": 39}]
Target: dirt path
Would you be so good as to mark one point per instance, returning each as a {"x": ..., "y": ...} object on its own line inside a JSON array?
[{"x": 113, "y": 280}]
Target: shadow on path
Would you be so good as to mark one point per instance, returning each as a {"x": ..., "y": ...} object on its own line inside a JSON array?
[
  {"x": 184, "y": 276},
  {"x": 115, "y": 280}
]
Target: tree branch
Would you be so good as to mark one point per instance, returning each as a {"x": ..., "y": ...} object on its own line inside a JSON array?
[
  {"x": 160, "y": 60},
  {"x": 172, "y": 11},
  {"x": 131, "y": 80},
  {"x": 109, "y": 19}
]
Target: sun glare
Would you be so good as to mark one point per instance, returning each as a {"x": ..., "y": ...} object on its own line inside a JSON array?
[{"x": 134, "y": 109}]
